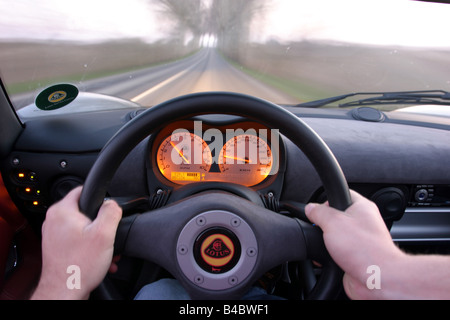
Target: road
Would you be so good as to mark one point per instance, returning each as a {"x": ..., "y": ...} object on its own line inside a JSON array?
[
  {"x": 204, "y": 71},
  {"x": 207, "y": 70}
]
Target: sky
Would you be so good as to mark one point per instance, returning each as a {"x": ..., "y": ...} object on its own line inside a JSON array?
[
  {"x": 401, "y": 22},
  {"x": 384, "y": 22},
  {"x": 79, "y": 20}
]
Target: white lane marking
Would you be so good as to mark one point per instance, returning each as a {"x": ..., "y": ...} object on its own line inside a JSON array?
[
  {"x": 164, "y": 83},
  {"x": 159, "y": 86}
]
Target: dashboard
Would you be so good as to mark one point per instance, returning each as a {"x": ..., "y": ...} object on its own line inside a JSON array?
[
  {"x": 399, "y": 163},
  {"x": 382, "y": 161},
  {"x": 230, "y": 150}
]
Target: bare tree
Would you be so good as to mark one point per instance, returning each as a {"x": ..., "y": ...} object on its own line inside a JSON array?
[
  {"x": 189, "y": 14},
  {"x": 230, "y": 21}
]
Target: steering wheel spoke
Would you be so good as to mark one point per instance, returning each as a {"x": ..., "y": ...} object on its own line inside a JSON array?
[{"x": 200, "y": 235}]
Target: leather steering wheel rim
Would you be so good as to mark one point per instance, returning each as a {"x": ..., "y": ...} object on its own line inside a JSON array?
[{"x": 274, "y": 116}]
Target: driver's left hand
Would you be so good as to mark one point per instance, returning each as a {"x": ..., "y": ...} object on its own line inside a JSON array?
[{"x": 76, "y": 252}]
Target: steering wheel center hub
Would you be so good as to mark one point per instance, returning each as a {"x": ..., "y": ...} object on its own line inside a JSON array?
[{"x": 217, "y": 250}]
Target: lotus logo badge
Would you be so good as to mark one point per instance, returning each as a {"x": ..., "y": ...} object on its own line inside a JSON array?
[
  {"x": 217, "y": 250},
  {"x": 57, "y": 96}
]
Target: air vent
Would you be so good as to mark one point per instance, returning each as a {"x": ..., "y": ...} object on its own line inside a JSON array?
[
  {"x": 391, "y": 202},
  {"x": 63, "y": 186},
  {"x": 368, "y": 114}
]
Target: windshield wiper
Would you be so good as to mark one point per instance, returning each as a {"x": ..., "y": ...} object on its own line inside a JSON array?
[{"x": 436, "y": 97}]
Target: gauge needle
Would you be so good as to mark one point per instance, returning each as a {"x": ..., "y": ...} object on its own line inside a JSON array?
[
  {"x": 236, "y": 158},
  {"x": 179, "y": 152}
]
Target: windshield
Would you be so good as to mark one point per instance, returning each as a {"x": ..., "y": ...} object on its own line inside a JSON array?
[{"x": 288, "y": 52}]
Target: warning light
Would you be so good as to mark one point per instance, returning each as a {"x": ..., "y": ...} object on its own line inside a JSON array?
[
  {"x": 35, "y": 203},
  {"x": 21, "y": 175},
  {"x": 27, "y": 190}
]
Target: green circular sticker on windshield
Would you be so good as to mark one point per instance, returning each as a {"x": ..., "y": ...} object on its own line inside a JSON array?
[{"x": 56, "y": 97}]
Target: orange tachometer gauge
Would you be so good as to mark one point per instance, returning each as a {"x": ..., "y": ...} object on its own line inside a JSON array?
[
  {"x": 246, "y": 158},
  {"x": 184, "y": 157}
]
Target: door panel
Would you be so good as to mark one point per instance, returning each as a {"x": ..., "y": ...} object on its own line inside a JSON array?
[{"x": 20, "y": 251}]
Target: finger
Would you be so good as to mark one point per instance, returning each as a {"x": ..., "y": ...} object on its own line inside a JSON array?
[
  {"x": 356, "y": 197},
  {"x": 60, "y": 209},
  {"x": 309, "y": 208},
  {"x": 114, "y": 267},
  {"x": 361, "y": 205},
  {"x": 108, "y": 216},
  {"x": 72, "y": 197}
]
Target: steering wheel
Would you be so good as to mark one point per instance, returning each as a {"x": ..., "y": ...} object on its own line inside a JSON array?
[{"x": 252, "y": 238}]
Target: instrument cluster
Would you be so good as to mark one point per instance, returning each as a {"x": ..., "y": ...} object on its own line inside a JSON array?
[{"x": 245, "y": 153}]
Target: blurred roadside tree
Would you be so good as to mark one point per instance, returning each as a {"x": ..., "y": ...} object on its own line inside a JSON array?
[
  {"x": 228, "y": 21},
  {"x": 189, "y": 15}
]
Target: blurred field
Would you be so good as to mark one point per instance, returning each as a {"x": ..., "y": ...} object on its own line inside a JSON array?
[
  {"x": 317, "y": 70},
  {"x": 28, "y": 66}
]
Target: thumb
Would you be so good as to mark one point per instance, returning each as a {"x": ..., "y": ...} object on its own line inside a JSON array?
[
  {"x": 108, "y": 217},
  {"x": 319, "y": 214}
]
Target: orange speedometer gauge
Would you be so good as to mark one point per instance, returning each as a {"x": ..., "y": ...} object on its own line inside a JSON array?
[
  {"x": 184, "y": 157},
  {"x": 246, "y": 158}
]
